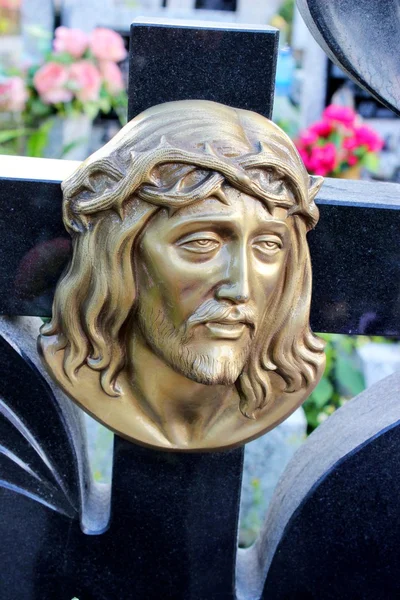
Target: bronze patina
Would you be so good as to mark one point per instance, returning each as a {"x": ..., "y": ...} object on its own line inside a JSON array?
[{"x": 182, "y": 321}]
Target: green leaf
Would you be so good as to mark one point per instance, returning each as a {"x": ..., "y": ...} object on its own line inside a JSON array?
[
  {"x": 322, "y": 393},
  {"x": 349, "y": 377},
  {"x": 37, "y": 141},
  {"x": 336, "y": 138},
  {"x": 39, "y": 109},
  {"x": 68, "y": 147},
  {"x": 64, "y": 58},
  {"x": 346, "y": 343},
  {"x": 105, "y": 105},
  {"x": 91, "y": 109},
  {"x": 360, "y": 151},
  {"x": 12, "y": 134},
  {"x": 311, "y": 414},
  {"x": 371, "y": 162}
]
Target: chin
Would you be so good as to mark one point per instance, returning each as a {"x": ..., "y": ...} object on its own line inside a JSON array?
[{"x": 211, "y": 369}]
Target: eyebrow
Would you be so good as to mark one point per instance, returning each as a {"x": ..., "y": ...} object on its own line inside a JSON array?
[{"x": 223, "y": 219}]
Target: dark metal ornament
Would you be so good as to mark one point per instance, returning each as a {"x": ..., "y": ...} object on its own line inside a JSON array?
[{"x": 362, "y": 38}]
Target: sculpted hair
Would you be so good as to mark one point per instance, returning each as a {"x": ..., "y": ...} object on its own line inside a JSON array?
[{"x": 171, "y": 156}]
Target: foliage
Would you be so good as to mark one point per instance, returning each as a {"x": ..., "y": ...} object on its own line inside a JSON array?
[
  {"x": 251, "y": 526},
  {"x": 286, "y": 12},
  {"x": 338, "y": 142},
  {"x": 342, "y": 379}
]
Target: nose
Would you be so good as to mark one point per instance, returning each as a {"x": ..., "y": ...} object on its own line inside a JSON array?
[{"x": 236, "y": 286}]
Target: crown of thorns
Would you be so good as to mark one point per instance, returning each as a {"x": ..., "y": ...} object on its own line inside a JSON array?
[{"x": 286, "y": 186}]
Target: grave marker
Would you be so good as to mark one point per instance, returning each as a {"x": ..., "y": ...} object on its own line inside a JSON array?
[
  {"x": 174, "y": 516},
  {"x": 157, "y": 498}
]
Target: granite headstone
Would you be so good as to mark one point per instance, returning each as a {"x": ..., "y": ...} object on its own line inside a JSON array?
[{"x": 334, "y": 521}]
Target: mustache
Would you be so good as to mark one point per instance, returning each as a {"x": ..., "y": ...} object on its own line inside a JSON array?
[{"x": 213, "y": 311}]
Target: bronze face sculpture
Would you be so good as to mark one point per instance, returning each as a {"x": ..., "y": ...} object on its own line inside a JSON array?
[{"x": 182, "y": 321}]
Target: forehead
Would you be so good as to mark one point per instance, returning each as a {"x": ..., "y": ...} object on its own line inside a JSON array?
[{"x": 240, "y": 207}]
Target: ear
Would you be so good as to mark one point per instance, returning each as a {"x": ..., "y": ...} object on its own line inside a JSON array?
[{"x": 314, "y": 185}]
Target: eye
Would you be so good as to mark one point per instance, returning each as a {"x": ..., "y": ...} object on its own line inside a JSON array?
[
  {"x": 268, "y": 245},
  {"x": 199, "y": 243}
]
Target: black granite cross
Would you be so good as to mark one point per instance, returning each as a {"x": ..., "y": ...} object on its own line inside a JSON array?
[{"x": 173, "y": 529}]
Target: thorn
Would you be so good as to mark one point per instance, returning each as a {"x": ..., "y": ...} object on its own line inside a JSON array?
[
  {"x": 84, "y": 220},
  {"x": 175, "y": 189},
  {"x": 172, "y": 210},
  {"x": 208, "y": 149},
  {"x": 88, "y": 185},
  {"x": 120, "y": 211},
  {"x": 251, "y": 415},
  {"x": 152, "y": 180},
  {"x": 219, "y": 193},
  {"x": 164, "y": 143}
]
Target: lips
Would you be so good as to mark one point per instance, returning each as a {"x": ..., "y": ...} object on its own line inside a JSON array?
[{"x": 227, "y": 329}]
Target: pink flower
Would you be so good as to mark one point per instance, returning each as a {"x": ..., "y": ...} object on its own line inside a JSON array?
[
  {"x": 85, "y": 79},
  {"x": 322, "y": 128},
  {"x": 323, "y": 159},
  {"x": 342, "y": 114},
  {"x": 106, "y": 44},
  {"x": 365, "y": 136},
  {"x": 308, "y": 137},
  {"x": 350, "y": 142},
  {"x": 50, "y": 81},
  {"x": 112, "y": 76},
  {"x": 10, "y": 4},
  {"x": 73, "y": 41},
  {"x": 352, "y": 160},
  {"x": 13, "y": 95}
]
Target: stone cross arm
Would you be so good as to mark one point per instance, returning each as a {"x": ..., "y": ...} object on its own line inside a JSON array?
[{"x": 355, "y": 249}]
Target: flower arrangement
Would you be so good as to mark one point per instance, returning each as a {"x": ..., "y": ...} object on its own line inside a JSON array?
[
  {"x": 332, "y": 146},
  {"x": 80, "y": 76}
]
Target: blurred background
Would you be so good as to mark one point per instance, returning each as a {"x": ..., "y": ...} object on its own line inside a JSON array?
[{"x": 63, "y": 80}]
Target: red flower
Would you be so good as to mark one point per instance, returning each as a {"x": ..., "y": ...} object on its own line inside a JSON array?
[
  {"x": 365, "y": 136},
  {"x": 322, "y": 128},
  {"x": 308, "y": 137},
  {"x": 323, "y": 159},
  {"x": 341, "y": 114}
]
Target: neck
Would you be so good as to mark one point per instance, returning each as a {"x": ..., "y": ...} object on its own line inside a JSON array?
[{"x": 182, "y": 409}]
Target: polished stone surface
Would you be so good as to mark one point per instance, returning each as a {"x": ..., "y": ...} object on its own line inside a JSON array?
[
  {"x": 355, "y": 254},
  {"x": 230, "y": 64},
  {"x": 173, "y": 527},
  {"x": 362, "y": 38},
  {"x": 333, "y": 524},
  {"x": 343, "y": 541},
  {"x": 43, "y": 447}
]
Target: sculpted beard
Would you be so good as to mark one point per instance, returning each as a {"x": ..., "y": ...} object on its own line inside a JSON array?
[{"x": 203, "y": 361}]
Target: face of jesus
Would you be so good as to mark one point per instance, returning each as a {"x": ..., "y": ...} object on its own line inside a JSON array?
[{"x": 205, "y": 276}]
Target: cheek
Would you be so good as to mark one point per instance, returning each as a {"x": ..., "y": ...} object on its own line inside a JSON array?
[
  {"x": 164, "y": 282},
  {"x": 268, "y": 277}
]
